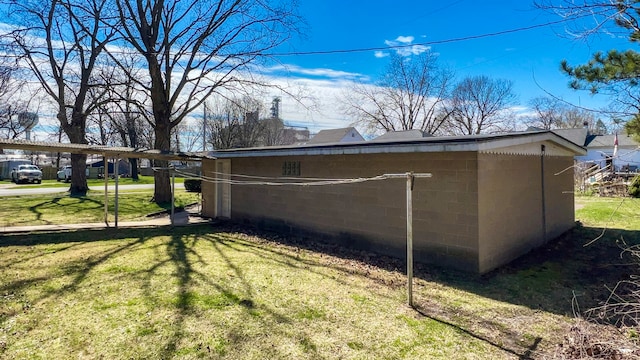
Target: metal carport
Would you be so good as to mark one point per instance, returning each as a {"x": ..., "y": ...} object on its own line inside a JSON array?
[{"x": 107, "y": 152}]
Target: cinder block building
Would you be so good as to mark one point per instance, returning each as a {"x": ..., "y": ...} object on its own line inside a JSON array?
[{"x": 491, "y": 198}]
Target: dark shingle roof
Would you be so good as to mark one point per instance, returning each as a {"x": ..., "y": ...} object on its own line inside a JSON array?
[
  {"x": 402, "y": 135},
  {"x": 606, "y": 141},
  {"x": 577, "y": 136}
]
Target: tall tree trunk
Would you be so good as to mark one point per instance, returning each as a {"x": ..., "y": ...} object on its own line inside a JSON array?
[
  {"x": 78, "y": 175},
  {"x": 134, "y": 168},
  {"x": 162, "y": 192},
  {"x": 77, "y": 135}
]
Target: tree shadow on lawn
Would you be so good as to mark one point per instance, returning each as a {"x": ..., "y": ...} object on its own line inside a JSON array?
[
  {"x": 551, "y": 278},
  {"x": 186, "y": 300},
  {"x": 183, "y": 254},
  {"x": 566, "y": 276},
  {"x": 55, "y": 203}
]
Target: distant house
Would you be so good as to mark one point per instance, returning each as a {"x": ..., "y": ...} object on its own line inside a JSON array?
[
  {"x": 491, "y": 198},
  {"x": 344, "y": 135},
  {"x": 96, "y": 167},
  {"x": 600, "y": 149}
]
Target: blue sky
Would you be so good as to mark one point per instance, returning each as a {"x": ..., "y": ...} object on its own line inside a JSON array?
[{"x": 529, "y": 58}]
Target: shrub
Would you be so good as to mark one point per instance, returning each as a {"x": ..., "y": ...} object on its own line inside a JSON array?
[
  {"x": 634, "y": 188},
  {"x": 193, "y": 185}
]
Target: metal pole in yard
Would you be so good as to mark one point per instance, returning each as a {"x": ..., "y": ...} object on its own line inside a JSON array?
[
  {"x": 410, "y": 176},
  {"x": 173, "y": 194},
  {"x": 115, "y": 173},
  {"x": 106, "y": 194},
  {"x": 410, "y": 238}
]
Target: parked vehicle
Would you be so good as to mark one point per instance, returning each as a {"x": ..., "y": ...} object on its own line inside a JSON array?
[
  {"x": 7, "y": 166},
  {"x": 64, "y": 174},
  {"x": 26, "y": 173}
]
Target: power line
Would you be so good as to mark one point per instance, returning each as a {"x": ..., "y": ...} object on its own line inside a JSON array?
[
  {"x": 430, "y": 43},
  {"x": 390, "y": 47}
]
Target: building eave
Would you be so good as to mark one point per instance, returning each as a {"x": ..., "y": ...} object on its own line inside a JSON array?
[{"x": 483, "y": 143}]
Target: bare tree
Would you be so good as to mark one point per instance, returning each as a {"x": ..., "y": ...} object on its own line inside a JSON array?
[
  {"x": 479, "y": 105},
  {"x": 62, "y": 41},
  {"x": 236, "y": 124},
  {"x": 130, "y": 118},
  {"x": 193, "y": 49},
  {"x": 551, "y": 114},
  {"x": 547, "y": 113},
  {"x": 409, "y": 95},
  {"x": 191, "y": 134},
  {"x": 11, "y": 101},
  {"x": 272, "y": 131},
  {"x": 573, "y": 117}
]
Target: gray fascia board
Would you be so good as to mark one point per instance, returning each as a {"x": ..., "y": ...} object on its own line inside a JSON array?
[
  {"x": 458, "y": 144},
  {"x": 546, "y": 136}
]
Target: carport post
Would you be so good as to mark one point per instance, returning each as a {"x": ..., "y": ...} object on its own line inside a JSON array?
[
  {"x": 173, "y": 194},
  {"x": 106, "y": 193},
  {"x": 115, "y": 173}
]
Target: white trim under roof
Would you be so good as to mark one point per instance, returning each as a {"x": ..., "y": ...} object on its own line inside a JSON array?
[{"x": 472, "y": 143}]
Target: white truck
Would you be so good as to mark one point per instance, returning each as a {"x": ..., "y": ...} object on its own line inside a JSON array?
[
  {"x": 26, "y": 173},
  {"x": 64, "y": 174}
]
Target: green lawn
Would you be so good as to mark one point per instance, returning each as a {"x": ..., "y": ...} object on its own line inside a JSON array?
[
  {"x": 620, "y": 213},
  {"x": 91, "y": 182},
  {"x": 224, "y": 293},
  {"x": 63, "y": 209},
  {"x": 199, "y": 293}
]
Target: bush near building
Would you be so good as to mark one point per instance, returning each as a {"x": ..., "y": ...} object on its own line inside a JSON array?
[{"x": 193, "y": 185}]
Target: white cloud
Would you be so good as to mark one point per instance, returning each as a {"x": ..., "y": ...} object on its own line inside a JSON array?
[
  {"x": 404, "y": 47},
  {"x": 381, "y": 54},
  {"x": 315, "y": 72},
  {"x": 405, "y": 39}
]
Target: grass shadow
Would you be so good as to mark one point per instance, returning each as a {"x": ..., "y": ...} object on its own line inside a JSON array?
[
  {"x": 55, "y": 203},
  {"x": 566, "y": 272},
  {"x": 183, "y": 254},
  {"x": 549, "y": 278},
  {"x": 563, "y": 277}
]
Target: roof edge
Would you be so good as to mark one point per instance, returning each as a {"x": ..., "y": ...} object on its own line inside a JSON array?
[{"x": 429, "y": 144}]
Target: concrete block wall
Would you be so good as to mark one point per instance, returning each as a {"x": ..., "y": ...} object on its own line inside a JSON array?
[
  {"x": 511, "y": 207},
  {"x": 371, "y": 215},
  {"x": 559, "y": 201}
]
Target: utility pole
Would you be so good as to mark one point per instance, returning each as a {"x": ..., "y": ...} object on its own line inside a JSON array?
[{"x": 204, "y": 128}]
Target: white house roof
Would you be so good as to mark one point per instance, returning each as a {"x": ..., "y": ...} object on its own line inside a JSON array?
[
  {"x": 512, "y": 143},
  {"x": 335, "y": 135}
]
